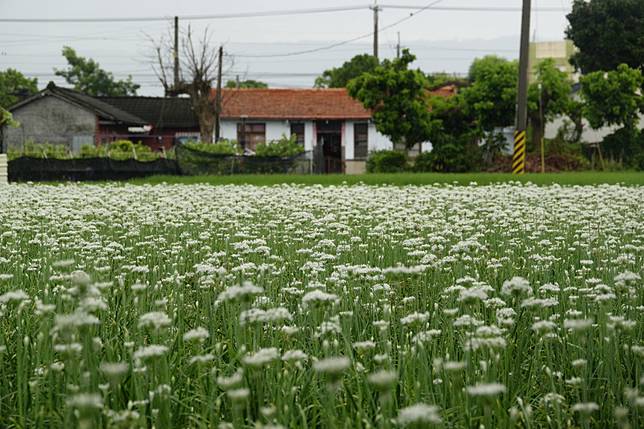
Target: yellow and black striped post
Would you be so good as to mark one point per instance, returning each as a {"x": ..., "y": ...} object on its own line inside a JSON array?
[{"x": 518, "y": 157}]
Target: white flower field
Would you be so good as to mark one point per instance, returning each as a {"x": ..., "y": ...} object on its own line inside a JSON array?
[{"x": 173, "y": 306}]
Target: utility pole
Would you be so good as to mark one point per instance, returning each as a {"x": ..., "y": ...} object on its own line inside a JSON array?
[
  {"x": 398, "y": 46},
  {"x": 375, "y": 28},
  {"x": 518, "y": 156},
  {"x": 541, "y": 124},
  {"x": 218, "y": 98},
  {"x": 176, "y": 55}
]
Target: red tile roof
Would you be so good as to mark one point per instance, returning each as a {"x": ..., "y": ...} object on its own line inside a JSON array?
[
  {"x": 445, "y": 91},
  {"x": 278, "y": 103},
  {"x": 291, "y": 104}
]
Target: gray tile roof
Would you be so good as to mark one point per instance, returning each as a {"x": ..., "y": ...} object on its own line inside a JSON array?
[{"x": 160, "y": 112}]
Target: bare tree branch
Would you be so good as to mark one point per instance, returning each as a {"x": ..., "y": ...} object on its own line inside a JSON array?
[{"x": 198, "y": 74}]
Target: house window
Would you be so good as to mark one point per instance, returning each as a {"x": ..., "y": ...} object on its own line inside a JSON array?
[
  {"x": 298, "y": 130},
  {"x": 250, "y": 135},
  {"x": 360, "y": 141}
]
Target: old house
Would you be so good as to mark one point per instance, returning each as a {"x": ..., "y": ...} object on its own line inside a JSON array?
[
  {"x": 168, "y": 120},
  {"x": 66, "y": 117},
  {"x": 333, "y": 127},
  {"x": 336, "y": 131}
]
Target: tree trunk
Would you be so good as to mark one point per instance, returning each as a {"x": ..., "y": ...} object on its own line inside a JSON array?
[
  {"x": 538, "y": 131},
  {"x": 206, "y": 126},
  {"x": 204, "y": 108}
]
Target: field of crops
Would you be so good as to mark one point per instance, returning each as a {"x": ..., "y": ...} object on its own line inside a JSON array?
[{"x": 174, "y": 306}]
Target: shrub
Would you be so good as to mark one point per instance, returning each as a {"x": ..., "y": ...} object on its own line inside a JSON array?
[
  {"x": 121, "y": 150},
  {"x": 145, "y": 153},
  {"x": 450, "y": 158},
  {"x": 45, "y": 150},
  {"x": 118, "y": 150},
  {"x": 638, "y": 161},
  {"x": 285, "y": 147},
  {"x": 386, "y": 161},
  {"x": 222, "y": 147},
  {"x": 424, "y": 162},
  {"x": 93, "y": 151},
  {"x": 624, "y": 146}
]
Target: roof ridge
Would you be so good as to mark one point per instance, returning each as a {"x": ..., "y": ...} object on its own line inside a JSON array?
[{"x": 96, "y": 104}]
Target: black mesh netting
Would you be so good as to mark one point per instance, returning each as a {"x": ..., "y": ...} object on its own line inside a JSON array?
[
  {"x": 189, "y": 162},
  {"x": 39, "y": 169},
  {"x": 192, "y": 162}
]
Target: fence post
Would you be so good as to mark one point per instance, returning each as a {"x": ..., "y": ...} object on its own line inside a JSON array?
[{"x": 4, "y": 169}]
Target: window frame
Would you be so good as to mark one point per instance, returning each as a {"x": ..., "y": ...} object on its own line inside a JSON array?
[
  {"x": 252, "y": 134},
  {"x": 300, "y": 136},
  {"x": 363, "y": 153}
]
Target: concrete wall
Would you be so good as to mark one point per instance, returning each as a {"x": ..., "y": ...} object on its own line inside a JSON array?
[
  {"x": 3, "y": 169},
  {"x": 588, "y": 135},
  {"x": 50, "y": 120},
  {"x": 355, "y": 167}
]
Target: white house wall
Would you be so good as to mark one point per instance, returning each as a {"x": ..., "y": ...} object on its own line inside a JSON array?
[
  {"x": 376, "y": 140},
  {"x": 309, "y": 137},
  {"x": 229, "y": 130},
  {"x": 347, "y": 139},
  {"x": 275, "y": 130}
]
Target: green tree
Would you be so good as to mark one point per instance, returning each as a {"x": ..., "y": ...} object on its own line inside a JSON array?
[
  {"x": 249, "y": 83},
  {"x": 548, "y": 97},
  {"x": 437, "y": 80},
  {"x": 454, "y": 134},
  {"x": 88, "y": 77},
  {"x": 397, "y": 97},
  {"x": 615, "y": 98},
  {"x": 607, "y": 33},
  {"x": 14, "y": 86},
  {"x": 339, "y": 77},
  {"x": 491, "y": 95},
  {"x": 6, "y": 119}
]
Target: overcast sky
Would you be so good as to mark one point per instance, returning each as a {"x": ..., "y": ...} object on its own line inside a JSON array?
[{"x": 443, "y": 40}]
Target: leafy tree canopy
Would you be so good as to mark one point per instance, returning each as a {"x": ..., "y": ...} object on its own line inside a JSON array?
[
  {"x": 14, "y": 86},
  {"x": 339, "y": 77},
  {"x": 613, "y": 98},
  {"x": 249, "y": 83},
  {"x": 554, "y": 95},
  {"x": 607, "y": 33},
  {"x": 437, "y": 80},
  {"x": 549, "y": 97},
  {"x": 491, "y": 96},
  {"x": 7, "y": 119},
  {"x": 88, "y": 77},
  {"x": 397, "y": 97}
]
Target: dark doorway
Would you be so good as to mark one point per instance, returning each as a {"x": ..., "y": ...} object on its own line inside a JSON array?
[{"x": 329, "y": 142}]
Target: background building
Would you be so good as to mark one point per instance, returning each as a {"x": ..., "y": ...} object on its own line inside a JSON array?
[{"x": 560, "y": 51}]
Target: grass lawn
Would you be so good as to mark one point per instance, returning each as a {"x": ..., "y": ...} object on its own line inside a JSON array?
[{"x": 401, "y": 179}]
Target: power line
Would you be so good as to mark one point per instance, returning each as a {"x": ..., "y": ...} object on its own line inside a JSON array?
[
  {"x": 477, "y": 8},
  {"x": 269, "y": 13},
  {"x": 344, "y": 42},
  {"x": 191, "y": 17}
]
